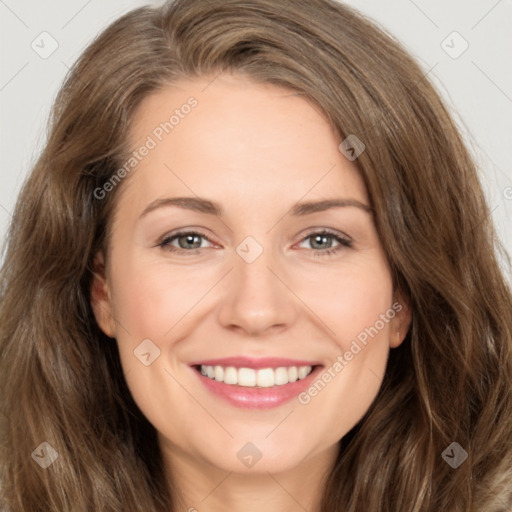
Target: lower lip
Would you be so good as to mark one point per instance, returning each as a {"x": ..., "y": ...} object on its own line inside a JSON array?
[{"x": 258, "y": 398}]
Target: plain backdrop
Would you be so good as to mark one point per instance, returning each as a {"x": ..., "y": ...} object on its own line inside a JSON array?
[{"x": 463, "y": 45}]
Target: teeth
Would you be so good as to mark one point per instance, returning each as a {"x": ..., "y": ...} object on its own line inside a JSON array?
[
  {"x": 250, "y": 378},
  {"x": 244, "y": 377},
  {"x": 219, "y": 373},
  {"x": 303, "y": 372},
  {"x": 265, "y": 378},
  {"x": 293, "y": 374},
  {"x": 281, "y": 376},
  {"x": 230, "y": 375}
]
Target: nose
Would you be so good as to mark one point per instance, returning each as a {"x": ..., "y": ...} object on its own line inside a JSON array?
[{"x": 257, "y": 299}]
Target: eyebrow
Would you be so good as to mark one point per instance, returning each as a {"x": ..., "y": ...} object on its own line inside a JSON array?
[{"x": 208, "y": 207}]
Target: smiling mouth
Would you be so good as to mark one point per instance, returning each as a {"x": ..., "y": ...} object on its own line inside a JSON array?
[{"x": 255, "y": 378}]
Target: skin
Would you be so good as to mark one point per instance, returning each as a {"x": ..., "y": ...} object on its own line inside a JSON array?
[{"x": 256, "y": 149}]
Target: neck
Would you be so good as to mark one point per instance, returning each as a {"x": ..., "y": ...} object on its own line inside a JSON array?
[{"x": 199, "y": 487}]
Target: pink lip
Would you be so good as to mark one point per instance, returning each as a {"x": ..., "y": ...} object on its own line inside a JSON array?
[
  {"x": 258, "y": 398},
  {"x": 251, "y": 362}
]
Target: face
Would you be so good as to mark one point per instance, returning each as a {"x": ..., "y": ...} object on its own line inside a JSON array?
[{"x": 260, "y": 308}]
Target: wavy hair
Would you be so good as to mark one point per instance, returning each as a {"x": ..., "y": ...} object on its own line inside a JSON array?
[{"x": 449, "y": 381}]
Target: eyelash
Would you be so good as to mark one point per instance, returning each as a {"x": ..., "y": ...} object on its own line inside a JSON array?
[{"x": 343, "y": 242}]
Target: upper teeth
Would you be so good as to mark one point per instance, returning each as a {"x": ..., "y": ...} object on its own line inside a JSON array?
[{"x": 248, "y": 377}]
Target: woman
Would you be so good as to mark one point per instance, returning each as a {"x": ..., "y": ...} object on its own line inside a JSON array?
[{"x": 255, "y": 368}]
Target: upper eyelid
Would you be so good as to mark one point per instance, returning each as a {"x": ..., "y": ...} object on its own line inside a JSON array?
[{"x": 327, "y": 231}]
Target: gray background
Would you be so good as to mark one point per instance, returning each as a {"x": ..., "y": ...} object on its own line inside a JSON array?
[{"x": 477, "y": 84}]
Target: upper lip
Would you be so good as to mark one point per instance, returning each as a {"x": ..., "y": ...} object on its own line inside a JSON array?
[{"x": 251, "y": 362}]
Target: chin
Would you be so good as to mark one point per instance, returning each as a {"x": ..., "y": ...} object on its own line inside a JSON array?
[{"x": 259, "y": 456}]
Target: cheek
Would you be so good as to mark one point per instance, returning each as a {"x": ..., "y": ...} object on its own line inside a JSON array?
[
  {"x": 350, "y": 300},
  {"x": 356, "y": 305},
  {"x": 151, "y": 298},
  {"x": 361, "y": 306}
]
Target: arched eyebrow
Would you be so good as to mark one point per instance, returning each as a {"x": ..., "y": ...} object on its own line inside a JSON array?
[
  {"x": 209, "y": 207},
  {"x": 307, "y": 208},
  {"x": 196, "y": 204}
]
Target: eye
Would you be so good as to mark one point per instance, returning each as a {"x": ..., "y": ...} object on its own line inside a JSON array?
[
  {"x": 187, "y": 241},
  {"x": 321, "y": 242}
]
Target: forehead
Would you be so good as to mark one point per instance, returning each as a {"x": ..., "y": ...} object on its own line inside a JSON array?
[{"x": 230, "y": 138}]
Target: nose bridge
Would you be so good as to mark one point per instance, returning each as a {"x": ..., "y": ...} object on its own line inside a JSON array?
[
  {"x": 256, "y": 299},
  {"x": 254, "y": 275}
]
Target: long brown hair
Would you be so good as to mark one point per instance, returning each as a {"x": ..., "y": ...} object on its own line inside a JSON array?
[{"x": 449, "y": 381}]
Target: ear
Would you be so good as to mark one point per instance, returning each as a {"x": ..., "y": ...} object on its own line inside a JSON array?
[
  {"x": 401, "y": 322},
  {"x": 100, "y": 297}
]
